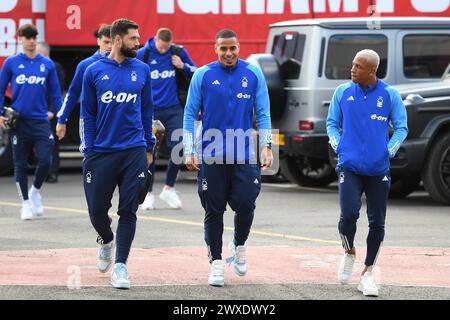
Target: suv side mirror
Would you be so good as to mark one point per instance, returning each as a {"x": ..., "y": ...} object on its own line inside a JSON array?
[{"x": 275, "y": 84}]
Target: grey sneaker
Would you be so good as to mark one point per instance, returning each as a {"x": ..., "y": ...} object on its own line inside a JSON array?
[
  {"x": 238, "y": 259},
  {"x": 105, "y": 254}
]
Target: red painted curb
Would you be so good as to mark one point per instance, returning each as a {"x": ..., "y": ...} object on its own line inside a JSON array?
[{"x": 189, "y": 266}]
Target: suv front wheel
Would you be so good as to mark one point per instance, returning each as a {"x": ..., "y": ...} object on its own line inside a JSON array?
[{"x": 436, "y": 176}]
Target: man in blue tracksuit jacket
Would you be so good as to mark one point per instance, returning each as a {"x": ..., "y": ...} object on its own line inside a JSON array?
[
  {"x": 228, "y": 93},
  {"x": 159, "y": 54},
  {"x": 74, "y": 92},
  {"x": 33, "y": 78},
  {"x": 117, "y": 142},
  {"x": 358, "y": 129}
]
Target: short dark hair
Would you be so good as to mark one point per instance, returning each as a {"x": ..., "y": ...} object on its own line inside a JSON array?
[
  {"x": 103, "y": 31},
  {"x": 164, "y": 34},
  {"x": 120, "y": 27},
  {"x": 28, "y": 31},
  {"x": 226, "y": 34}
]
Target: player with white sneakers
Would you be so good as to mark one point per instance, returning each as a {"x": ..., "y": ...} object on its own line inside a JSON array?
[
  {"x": 33, "y": 81},
  {"x": 165, "y": 60},
  {"x": 227, "y": 92},
  {"x": 358, "y": 128}
]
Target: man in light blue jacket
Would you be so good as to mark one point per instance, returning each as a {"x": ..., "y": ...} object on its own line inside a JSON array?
[
  {"x": 358, "y": 129},
  {"x": 228, "y": 93}
]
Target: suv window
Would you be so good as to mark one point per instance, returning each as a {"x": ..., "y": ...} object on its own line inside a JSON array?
[
  {"x": 343, "y": 48},
  {"x": 288, "y": 50},
  {"x": 425, "y": 56}
]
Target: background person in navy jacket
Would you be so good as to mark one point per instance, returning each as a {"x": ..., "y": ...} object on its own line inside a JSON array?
[
  {"x": 33, "y": 79},
  {"x": 160, "y": 54},
  {"x": 358, "y": 129},
  {"x": 103, "y": 35}
]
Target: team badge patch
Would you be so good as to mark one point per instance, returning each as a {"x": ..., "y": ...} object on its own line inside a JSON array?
[
  {"x": 88, "y": 177},
  {"x": 244, "y": 82},
  {"x": 380, "y": 102}
]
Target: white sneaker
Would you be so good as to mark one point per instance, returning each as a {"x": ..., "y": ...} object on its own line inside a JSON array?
[
  {"x": 170, "y": 196},
  {"x": 346, "y": 268},
  {"x": 119, "y": 276},
  {"x": 367, "y": 285},
  {"x": 105, "y": 254},
  {"x": 149, "y": 202},
  {"x": 237, "y": 259},
  {"x": 216, "y": 273},
  {"x": 26, "y": 213},
  {"x": 36, "y": 203}
]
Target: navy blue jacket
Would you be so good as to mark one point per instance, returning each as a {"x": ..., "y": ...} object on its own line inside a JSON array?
[
  {"x": 116, "y": 107},
  {"x": 364, "y": 147},
  {"x": 74, "y": 92},
  {"x": 162, "y": 71},
  {"x": 32, "y": 81}
]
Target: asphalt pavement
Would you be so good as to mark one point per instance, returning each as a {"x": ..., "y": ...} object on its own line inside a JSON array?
[{"x": 293, "y": 250}]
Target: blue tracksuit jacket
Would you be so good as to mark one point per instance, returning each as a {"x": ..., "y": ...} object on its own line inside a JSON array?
[
  {"x": 32, "y": 80},
  {"x": 162, "y": 71},
  {"x": 74, "y": 92},
  {"x": 363, "y": 146},
  {"x": 116, "y": 107},
  {"x": 228, "y": 98}
]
